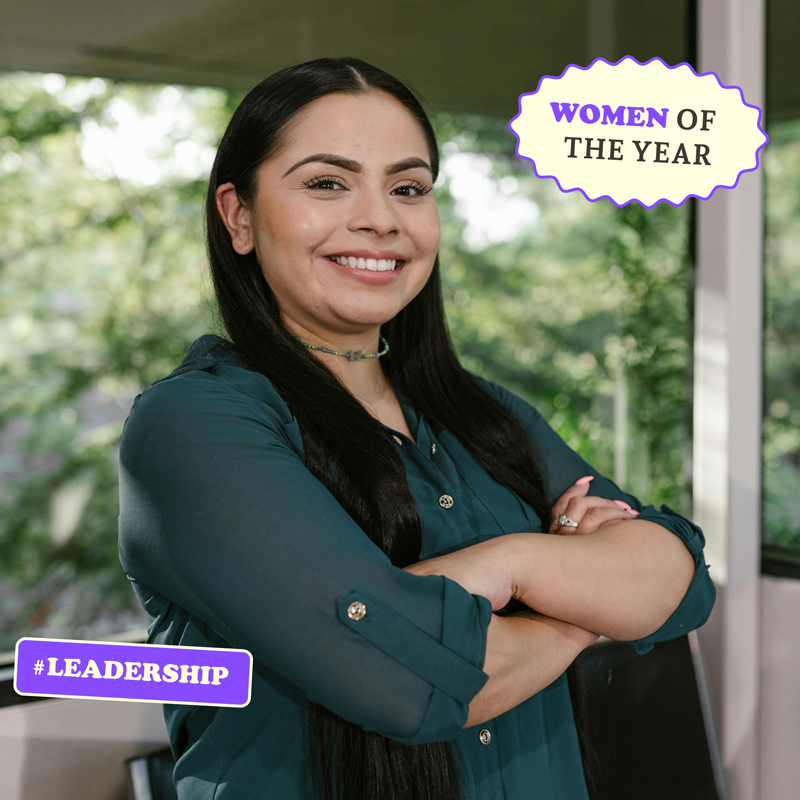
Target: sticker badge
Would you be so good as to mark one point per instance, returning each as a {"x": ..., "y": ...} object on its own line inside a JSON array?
[
  {"x": 147, "y": 673},
  {"x": 638, "y": 133}
]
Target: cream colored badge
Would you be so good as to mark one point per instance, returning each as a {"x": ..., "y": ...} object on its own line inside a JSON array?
[{"x": 634, "y": 132}]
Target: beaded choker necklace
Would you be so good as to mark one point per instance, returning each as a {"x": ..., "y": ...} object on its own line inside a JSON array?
[{"x": 353, "y": 355}]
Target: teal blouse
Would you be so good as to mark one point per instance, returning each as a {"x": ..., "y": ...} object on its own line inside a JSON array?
[{"x": 229, "y": 541}]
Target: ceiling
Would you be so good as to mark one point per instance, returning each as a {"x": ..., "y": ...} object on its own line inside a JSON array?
[{"x": 461, "y": 56}]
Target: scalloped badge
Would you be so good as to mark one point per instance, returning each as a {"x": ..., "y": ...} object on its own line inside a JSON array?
[{"x": 638, "y": 133}]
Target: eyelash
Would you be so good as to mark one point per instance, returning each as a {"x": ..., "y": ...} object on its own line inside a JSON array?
[{"x": 315, "y": 183}]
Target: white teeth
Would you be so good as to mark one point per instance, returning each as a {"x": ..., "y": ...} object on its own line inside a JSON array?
[{"x": 369, "y": 263}]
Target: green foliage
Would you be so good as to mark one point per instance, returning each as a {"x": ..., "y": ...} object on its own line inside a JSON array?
[
  {"x": 581, "y": 291},
  {"x": 101, "y": 289},
  {"x": 781, "y": 428},
  {"x": 103, "y": 285}
]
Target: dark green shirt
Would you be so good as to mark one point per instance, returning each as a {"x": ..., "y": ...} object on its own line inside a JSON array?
[{"x": 230, "y": 541}]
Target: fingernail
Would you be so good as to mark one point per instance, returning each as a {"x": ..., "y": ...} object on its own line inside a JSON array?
[
  {"x": 634, "y": 512},
  {"x": 585, "y": 479},
  {"x": 622, "y": 504}
]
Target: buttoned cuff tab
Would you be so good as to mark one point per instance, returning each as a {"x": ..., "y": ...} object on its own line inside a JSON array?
[
  {"x": 464, "y": 627},
  {"x": 452, "y": 669}
]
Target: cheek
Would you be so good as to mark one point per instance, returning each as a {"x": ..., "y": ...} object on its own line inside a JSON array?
[
  {"x": 428, "y": 232},
  {"x": 295, "y": 226}
]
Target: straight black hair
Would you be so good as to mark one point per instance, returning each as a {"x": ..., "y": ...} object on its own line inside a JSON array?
[{"x": 357, "y": 459}]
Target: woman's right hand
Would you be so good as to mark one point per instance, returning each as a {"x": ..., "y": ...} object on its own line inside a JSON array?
[
  {"x": 590, "y": 512},
  {"x": 484, "y": 568}
]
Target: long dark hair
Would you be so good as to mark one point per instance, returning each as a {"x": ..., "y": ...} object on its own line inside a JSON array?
[{"x": 356, "y": 459}]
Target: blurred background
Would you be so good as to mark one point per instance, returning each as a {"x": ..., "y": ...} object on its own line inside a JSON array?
[
  {"x": 662, "y": 344},
  {"x": 579, "y": 306}
]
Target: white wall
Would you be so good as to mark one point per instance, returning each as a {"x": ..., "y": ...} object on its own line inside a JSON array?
[
  {"x": 74, "y": 749},
  {"x": 780, "y": 689},
  {"x": 728, "y": 404},
  {"x": 777, "y": 719}
]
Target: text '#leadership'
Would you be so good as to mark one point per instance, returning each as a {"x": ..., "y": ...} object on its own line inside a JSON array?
[{"x": 135, "y": 672}]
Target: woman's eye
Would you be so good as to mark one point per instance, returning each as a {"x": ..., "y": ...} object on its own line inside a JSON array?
[
  {"x": 327, "y": 182},
  {"x": 417, "y": 187},
  {"x": 320, "y": 183}
]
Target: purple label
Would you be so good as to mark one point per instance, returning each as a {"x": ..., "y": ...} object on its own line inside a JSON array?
[{"x": 148, "y": 673}]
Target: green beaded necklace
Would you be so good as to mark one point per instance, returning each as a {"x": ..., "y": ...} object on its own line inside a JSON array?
[{"x": 353, "y": 355}]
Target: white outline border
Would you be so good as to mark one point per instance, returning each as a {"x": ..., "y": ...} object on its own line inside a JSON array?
[{"x": 131, "y": 699}]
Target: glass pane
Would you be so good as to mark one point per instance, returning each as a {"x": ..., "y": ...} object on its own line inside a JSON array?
[
  {"x": 781, "y": 429},
  {"x": 100, "y": 292},
  {"x": 580, "y": 307}
]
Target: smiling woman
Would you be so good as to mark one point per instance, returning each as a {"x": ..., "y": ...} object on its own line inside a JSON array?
[
  {"x": 309, "y": 228},
  {"x": 316, "y": 217},
  {"x": 355, "y": 522}
]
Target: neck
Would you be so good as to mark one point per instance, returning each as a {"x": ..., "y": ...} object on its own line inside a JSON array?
[{"x": 364, "y": 379}]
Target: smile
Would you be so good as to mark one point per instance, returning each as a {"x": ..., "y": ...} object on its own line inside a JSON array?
[{"x": 371, "y": 264}]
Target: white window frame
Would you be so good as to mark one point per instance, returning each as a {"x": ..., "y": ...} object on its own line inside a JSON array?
[{"x": 728, "y": 403}]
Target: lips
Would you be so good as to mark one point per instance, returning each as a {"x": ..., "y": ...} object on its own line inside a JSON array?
[
  {"x": 362, "y": 274},
  {"x": 351, "y": 261},
  {"x": 378, "y": 255}
]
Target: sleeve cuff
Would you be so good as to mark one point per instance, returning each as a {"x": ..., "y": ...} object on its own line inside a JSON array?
[
  {"x": 689, "y": 533},
  {"x": 453, "y": 666},
  {"x": 695, "y": 607}
]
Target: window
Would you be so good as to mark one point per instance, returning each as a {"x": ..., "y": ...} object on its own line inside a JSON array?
[
  {"x": 781, "y": 426},
  {"x": 101, "y": 289},
  {"x": 581, "y": 307}
]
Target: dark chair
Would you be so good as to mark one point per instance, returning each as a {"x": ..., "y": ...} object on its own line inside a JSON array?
[
  {"x": 649, "y": 722},
  {"x": 151, "y": 776}
]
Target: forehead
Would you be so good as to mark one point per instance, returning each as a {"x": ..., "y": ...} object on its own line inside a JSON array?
[{"x": 368, "y": 127}]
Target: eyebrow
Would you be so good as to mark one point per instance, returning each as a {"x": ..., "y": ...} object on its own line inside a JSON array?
[{"x": 354, "y": 166}]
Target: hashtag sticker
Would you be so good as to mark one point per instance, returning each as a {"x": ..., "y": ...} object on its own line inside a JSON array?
[{"x": 147, "y": 673}]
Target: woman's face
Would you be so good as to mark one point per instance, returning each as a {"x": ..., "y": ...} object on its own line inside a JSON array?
[{"x": 353, "y": 181}]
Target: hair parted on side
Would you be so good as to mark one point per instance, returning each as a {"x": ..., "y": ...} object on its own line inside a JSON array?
[{"x": 357, "y": 459}]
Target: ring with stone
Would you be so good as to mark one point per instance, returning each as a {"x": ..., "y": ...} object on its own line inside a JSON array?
[{"x": 562, "y": 520}]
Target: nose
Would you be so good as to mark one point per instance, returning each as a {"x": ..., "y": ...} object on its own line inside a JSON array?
[{"x": 372, "y": 210}]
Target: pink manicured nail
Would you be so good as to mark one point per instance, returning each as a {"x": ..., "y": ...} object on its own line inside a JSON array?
[
  {"x": 585, "y": 479},
  {"x": 622, "y": 504}
]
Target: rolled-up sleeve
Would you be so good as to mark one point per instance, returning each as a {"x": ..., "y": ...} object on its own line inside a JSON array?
[
  {"x": 695, "y": 607},
  {"x": 561, "y": 466},
  {"x": 219, "y": 513}
]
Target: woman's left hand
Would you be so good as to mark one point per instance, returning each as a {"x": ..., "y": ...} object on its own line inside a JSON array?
[{"x": 590, "y": 512}]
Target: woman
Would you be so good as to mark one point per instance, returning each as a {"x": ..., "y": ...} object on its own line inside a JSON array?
[{"x": 329, "y": 489}]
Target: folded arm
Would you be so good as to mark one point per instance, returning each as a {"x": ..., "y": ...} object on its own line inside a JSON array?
[
  {"x": 219, "y": 515},
  {"x": 525, "y": 653},
  {"x": 623, "y": 581}
]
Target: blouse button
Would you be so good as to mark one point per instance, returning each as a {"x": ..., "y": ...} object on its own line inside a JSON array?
[
  {"x": 485, "y": 736},
  {"x": 356, "y": 610},
  {"x": 433, "y": 449},
  {"x": 445, "y": 501}
]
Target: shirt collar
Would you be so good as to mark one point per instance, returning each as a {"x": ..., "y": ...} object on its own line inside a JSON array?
[
  {"x": 203, "y": 352},
  {"x": 207, "y": 350},
  {"x": 415, "y": 421}
]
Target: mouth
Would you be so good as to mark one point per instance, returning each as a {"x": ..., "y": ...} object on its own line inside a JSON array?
[{"x": 368, "y": 264}]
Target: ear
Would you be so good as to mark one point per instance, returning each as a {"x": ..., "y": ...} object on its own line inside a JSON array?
[{"x": 236, "y": 218}]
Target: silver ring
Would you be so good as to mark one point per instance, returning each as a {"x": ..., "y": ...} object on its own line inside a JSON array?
[{"x": 562, "y": 520}]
